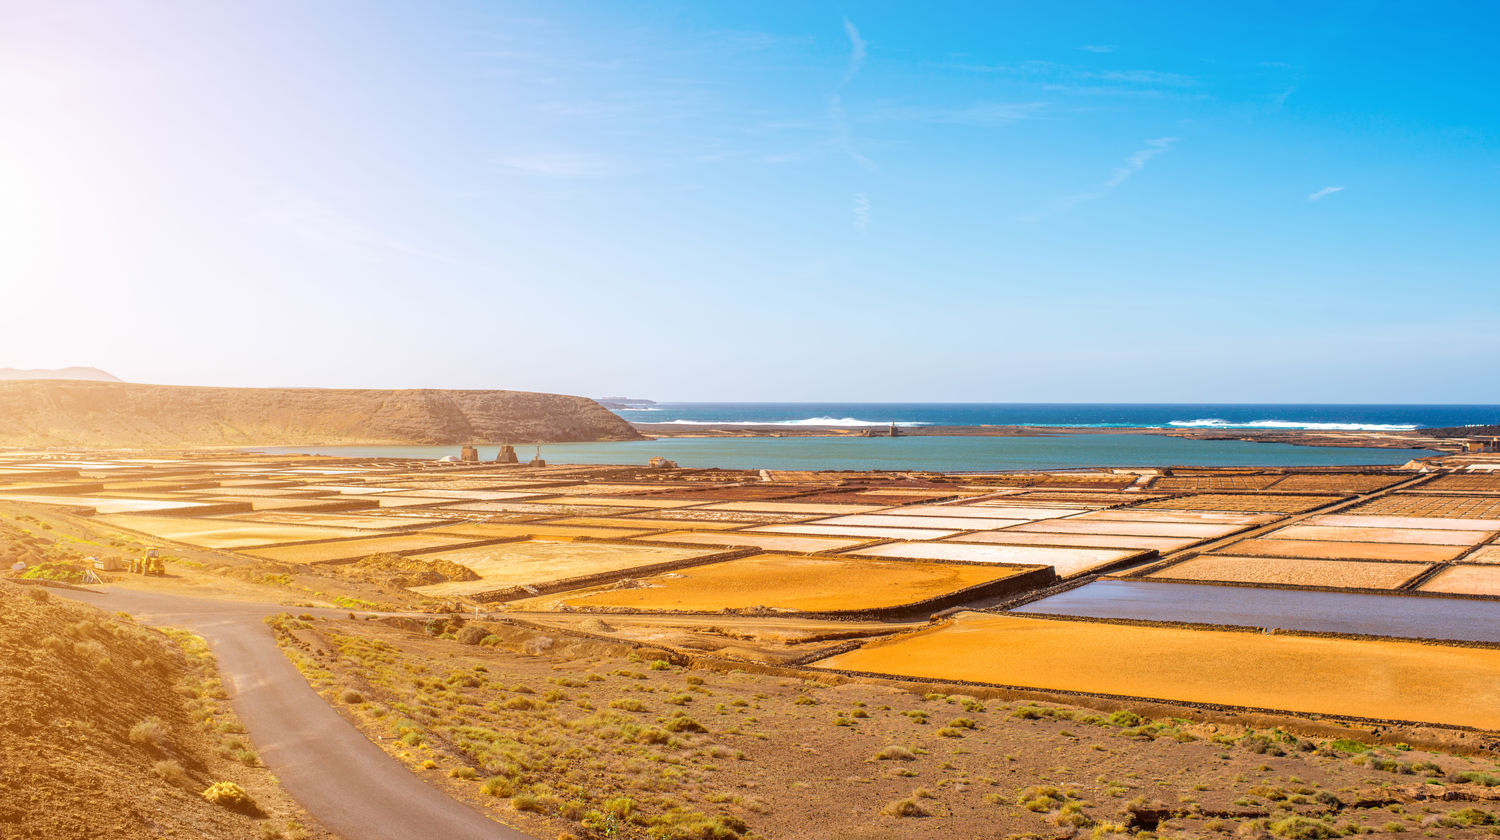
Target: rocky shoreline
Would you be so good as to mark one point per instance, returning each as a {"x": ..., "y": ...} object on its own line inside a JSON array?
[{"x": 1418, "y": 439}]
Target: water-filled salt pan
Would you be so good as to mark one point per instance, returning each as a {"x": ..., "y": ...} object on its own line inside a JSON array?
[
  {"x": 1351, "y": 574},
  {"x": 984, "y": 512},
  {"x": 854, "y": 531},
  {"x": 1422, "y": 536},
  {"x": 1012, "y": 537},
  {"x": 1465, "y": 580},
  {"x": 767, "y": 542},
  {"x": 538, "y": 563},
  {"x": 1341, "y": 550},
  {"x": 880, "y": 520},
  {"x": 1419, "y": 522},
  {"x": 1364, "y": 678},
  {"x": 1138, "y": 529}
]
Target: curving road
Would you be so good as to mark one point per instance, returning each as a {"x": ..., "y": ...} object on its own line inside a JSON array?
[{"x": 343, "y": 780}]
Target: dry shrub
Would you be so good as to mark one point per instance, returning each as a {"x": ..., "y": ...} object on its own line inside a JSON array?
[
  {"x": 908, "y": 807},
  {"x": 170, "y": 772},
  {"x": 92, "y": 651},
  {"x": 150, "y": 732},
  {"x": 535, "y": 647},
  {"x": 472, "y": 634},
  {"x": 684, "y": 724},
  {"x": 894, "y": 753}
]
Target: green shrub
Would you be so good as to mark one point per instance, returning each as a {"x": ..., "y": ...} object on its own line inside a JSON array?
[
  {"x": 1470, "y": 816},
  {"x": 527, "y": 802},
  {"x": 1042, "y": 799},
  {"x": 1125, "y": 718},
  {"x": 1298, "y": 827}
]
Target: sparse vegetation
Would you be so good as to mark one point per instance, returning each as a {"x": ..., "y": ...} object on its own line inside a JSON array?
[{"x": 229, "y": 795}]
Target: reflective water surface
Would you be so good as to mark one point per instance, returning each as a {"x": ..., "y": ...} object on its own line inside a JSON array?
[{"x": 1402, "y": 616}]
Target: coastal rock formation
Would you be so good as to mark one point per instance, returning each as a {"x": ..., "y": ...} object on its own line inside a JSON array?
[{"x": 118, "y": 414}]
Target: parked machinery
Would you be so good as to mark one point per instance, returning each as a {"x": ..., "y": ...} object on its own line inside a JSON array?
[{"x": 151, "y": 564}]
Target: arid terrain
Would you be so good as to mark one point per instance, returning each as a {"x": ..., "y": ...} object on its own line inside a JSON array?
[
  {"x": 112, "y": 730},
  {"x": 126, "y": 415},
  {"x": 676, "y": 654}
]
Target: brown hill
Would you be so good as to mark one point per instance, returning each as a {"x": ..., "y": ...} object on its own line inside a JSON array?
[
  {"x": 118, "y": 414},
  {"x": 111, "y": 730}
]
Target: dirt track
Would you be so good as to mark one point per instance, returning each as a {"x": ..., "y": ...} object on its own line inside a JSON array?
[{"x": 342, "y": 779}]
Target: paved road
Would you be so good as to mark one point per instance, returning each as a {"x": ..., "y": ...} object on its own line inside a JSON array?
[{"x": 346, "y": 782}]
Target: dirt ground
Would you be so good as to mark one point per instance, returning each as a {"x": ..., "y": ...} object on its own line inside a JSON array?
[
  {"x": 577, "y": 738},
  {"x": 111, "y": 730}
]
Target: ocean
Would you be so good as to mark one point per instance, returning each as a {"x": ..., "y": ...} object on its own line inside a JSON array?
[
  {"x": 943, "y": 453},
  {"x": 1078, "y": 415},
  {"x": 983, "y": 454}
]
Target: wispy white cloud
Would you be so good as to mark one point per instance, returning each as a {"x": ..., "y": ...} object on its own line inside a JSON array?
[
  {"x": 1075, "y": 79},
  {"x": 857, "y": 47},
  {"x": 978, "y": 113},
  {"x": 1136, "y": 162},
  {"x": 1324, "y": 193},
  {"x": 1097, "y": 48},
  {"x": 861, "y": 212},
  {"x": 1133, "y": 164},
  {"x": 834, "y": 124},
  {"x": 842, "y": 139},
  {"x": 558, "y": 165}
]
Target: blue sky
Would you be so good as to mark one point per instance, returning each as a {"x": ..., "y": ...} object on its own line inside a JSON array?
[{"x": 776, "y": 201}]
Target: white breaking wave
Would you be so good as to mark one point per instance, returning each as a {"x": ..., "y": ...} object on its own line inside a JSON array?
[
  {"x": 1215, "y": 423},
  {"x": 810, "y": 421}
]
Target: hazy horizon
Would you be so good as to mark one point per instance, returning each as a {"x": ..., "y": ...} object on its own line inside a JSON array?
[{"x": 1083, "y": 203}]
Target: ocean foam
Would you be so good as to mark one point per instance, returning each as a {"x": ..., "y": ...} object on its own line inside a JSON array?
[
  {"x": 1215, "y": 423},
  {"x": 810, "y": 421}
]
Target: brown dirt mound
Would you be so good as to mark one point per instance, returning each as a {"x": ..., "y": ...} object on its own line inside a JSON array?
[
  {"x": 100, "y": 738},
  {"x": 409, "y": 571}
]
